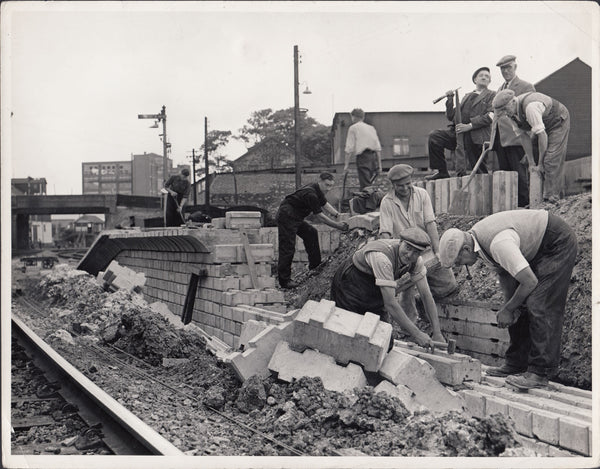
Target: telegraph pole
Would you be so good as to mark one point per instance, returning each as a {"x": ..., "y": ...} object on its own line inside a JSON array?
[
  {"x": 194, "y": 174},
  {"x": 206, "y": 185},
  {"x": 297, "y": 143},
  {"x": 163, "y": 114}
]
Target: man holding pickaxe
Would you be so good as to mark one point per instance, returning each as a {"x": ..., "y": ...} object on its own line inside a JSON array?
[
  {"x": 363, "y": 143},
  {"x": 472, "y": 123},
  {"x": 178, "y": 187}
]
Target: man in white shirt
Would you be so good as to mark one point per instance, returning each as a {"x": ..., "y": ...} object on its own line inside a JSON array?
[
  {"x": 362, "y": 142},
  {"x": 541, "y": 118},
  {"x": 534, "y": 253}
]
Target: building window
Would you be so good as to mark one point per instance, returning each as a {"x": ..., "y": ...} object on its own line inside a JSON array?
[{"x": 401, "y": 146}]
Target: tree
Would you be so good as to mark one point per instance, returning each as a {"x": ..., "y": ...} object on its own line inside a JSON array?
[
  {"x": 279, "y": 125},
  {"x": 215, "y": 141}
]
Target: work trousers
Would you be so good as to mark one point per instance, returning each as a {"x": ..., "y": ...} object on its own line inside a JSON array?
[
  {"x": 554, "y": 159},
  {"x": 172, "y": 216},
  {"x": 366, "y": 166},
  {"x": 290, "y": 225},
  {"x": 535, "y": 337},
  {"x": 509, "y": 159},
  {"x": 441, "y": 139}
]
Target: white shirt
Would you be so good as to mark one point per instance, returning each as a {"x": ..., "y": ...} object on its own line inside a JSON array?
[{"x": 360, "y": 137}]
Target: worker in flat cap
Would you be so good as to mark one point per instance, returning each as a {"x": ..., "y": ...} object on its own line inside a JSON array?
[
  {"x": 363, "y": 144},
  {"x": 504, "y": 141},
  {"x": 177, "y": 190},
  {"x": 534, "y": 253},
  {"x": 466, "y": 137},
  {"x": 406, "y": 206},
  {"x": 367, "y": 281},
  {"x": 544, "y": 123}
]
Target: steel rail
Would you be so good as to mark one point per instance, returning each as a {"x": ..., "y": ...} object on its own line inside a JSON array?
[{"x": 124, "y": 433}]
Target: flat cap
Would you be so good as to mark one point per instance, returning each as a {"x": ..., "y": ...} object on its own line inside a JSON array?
[
  {"x": 506, "y": 60},
  {"x": 399, "y": 171},
  {"x": 502, "y": 99},
  {"x": 477, "y": 72},
  {"x": 416, "y": 237},
  {"x": 185, "y": 172},
  {"x": 451, "y": 243},
  {"x": 358, "y": 113}
]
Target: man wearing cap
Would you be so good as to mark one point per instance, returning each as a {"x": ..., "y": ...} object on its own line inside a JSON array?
[
  {"x": 533, "y": 252},
  {"x": 406, "y": 206},
  {"x": 290, "y": 223},
  {"x": 544, "y": 120},
  {"x": 367, "y": 281},
  {"x": 363, "y": 143},
  {"x": 178, "y": 187},
  {"x": 475, "y": 123},
  {"x": 504, "y": 141}
]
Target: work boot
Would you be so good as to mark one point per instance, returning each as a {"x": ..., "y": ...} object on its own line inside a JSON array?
[
  {"x": 438, "y": 175},
  {"x": 527, "y": 381},
  {"x": 504, "y": 370},
  {"x": 288, "y": 285}
]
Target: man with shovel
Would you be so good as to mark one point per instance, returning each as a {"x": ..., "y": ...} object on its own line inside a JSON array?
[
  {"x": 178, "y": 189},
  {"x": 406, "y": 206},
  {"x": 473, "y": 127},
  {"x": 534, "y": 253}
]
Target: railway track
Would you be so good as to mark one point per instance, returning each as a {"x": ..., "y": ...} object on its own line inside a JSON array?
[{"x": 56, "y": 399}]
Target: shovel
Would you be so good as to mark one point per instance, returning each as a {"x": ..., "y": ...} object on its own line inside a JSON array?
[{"x": 460, "y": 198}]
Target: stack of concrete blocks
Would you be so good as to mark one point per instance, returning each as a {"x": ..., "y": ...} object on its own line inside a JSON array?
[
  {"x": 117, "y": 277},
  {"x": 473, "y": 325},
  {"x": 489, "y": 193},
  {"x": 555, "y": 421}
]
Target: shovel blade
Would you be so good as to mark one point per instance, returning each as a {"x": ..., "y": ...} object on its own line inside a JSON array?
[{"x": 459, "y": 203}]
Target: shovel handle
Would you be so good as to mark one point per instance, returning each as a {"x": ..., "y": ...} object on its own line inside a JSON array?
[{"x": 484, "y": 152}]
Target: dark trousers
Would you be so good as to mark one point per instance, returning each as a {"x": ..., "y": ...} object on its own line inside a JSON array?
[
  {"x": 290, "y": 225},
  {"x": 366, "y": 166},
  {"x": 509, "y": 159},
  {"x": 535, "y": 337},
  {"x": 172, "y": 216},
  {"x": 441, "y": 139}
]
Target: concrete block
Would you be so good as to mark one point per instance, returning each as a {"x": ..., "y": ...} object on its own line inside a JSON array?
[
  {"x": 574, "y": 434},
  {"x": 402, "y": 393},
  {"x": 255, "y": 359},
  {"x": 368, "y": 221},
  {"x": 290, "y": 365},
  {"x": 251, "y": 329},
  {"x": 522, "y": 416},
  {"x": 344, "y": 335},
  {"x": 474, "y": 402},
  {"x": 451, "y": 369},
  {"x": 545, "y": 426},
  {"x": 118, "y": 277},
  {"x": 242, "y": 220},
  {"x": 218, "y": 223},
  {"x": 496, "y": 405},
  {"x": 419, "y": 376}
]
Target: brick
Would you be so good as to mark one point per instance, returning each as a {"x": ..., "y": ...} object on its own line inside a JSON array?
[
  {"x": 449, "y": 369},
  {"x": 255, "y": 359},
  {"x": 419, "y": 376},
  {"x": 545, "y": 426},
  {"x": 368, "y": 221},
  {"x": 290, "y": 365},
  {"x": 402, "y": 393},
  {"x": 522, "y": 416},
  {"x": 344, "y": 335},
  {"x": 574, "y": 434},
  {"x": 474, "y": 402}
]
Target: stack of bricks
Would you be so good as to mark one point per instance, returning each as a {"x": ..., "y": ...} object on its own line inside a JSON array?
[
  {"x": 489, "y": 193},
  {"x": 225, "y": 296}
]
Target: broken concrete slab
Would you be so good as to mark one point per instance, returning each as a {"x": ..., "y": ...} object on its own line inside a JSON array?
[
  {"x": 290, "y": 365},
  {"x": 118, "y": 277},
  {"x": 255, "y": 359},
  {"x": 251, "y": 329},
  {"x": 419, "y": 376},
  {"x": 344, "y": 335},
  {"x": 404, "y": 394},
  {"x": 161, "y": 308}
]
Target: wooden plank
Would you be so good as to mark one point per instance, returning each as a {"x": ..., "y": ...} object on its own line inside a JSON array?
[
  {"x": 476, "y": 344},
  {"x": 430, "y": 187},
  {"x": 484, "y": 315},
  {"x": 504, "y": 191},
  {"x": 250, "y": 259},
  {"x": 441, "y": 196},
  {"x": 486, "y": 359},
  {"x": 40, "y": 421},
  {"x": 474, "y": 329}
]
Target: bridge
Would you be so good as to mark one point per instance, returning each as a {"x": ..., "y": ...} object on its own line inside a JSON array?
[{"x": 111, "y": 205}]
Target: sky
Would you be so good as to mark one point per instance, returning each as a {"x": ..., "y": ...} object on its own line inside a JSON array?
[{"x": 75, "y": 75}]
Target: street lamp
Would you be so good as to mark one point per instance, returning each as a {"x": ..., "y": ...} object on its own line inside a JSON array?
[
  {"x": 297, "y": 111},
  {"x": 162, "y": 117}
]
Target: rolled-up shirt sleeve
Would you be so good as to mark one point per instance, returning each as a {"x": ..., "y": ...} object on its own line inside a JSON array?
[
  {"x": 351, "y": 141},
  {"x": 382, "y": 269},
  {"x": 533, "y": 113},
  {"x": 386, "y": 217}
]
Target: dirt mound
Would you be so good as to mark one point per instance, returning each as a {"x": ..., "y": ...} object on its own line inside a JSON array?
[{"x": 575, "y": 367}]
